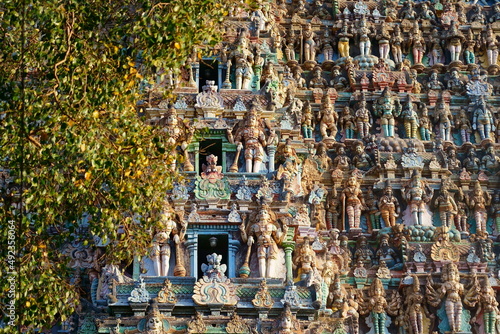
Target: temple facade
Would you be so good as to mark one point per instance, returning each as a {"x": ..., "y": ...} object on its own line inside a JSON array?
[{"x": 338, "y": 168}]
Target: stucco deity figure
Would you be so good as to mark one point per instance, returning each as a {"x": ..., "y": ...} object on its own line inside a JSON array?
[
  {"x": 462, "y": 212},
  {"x": 352, "y": 202},
  {"x": 495, "y": 210},
  {"x": 364, "y": 37},
  {"x": 445, "y": 120},
  {"x": 307, "y": 123},
  {"x": 471, "y": 161},
  {"x": 417, "y": 193},
  {"x": 446, "y": 206},
  {"x": 372, "y": 212},
  {"x": 179, "y": 136},
  {"x": 339, "y": 82},
  {"x": 304, "y": 259},
  {"x": 308, "y": 35},
  {"x": 377, "y": 305},
  {"x": 451, "y": 290},
  {"x": 363, "y": 252},
  {"x": 387, "y": 108},
  {"x": 251, "y": 137},
  {"x": 317, "y": 81},
  {"x": 408, "y": 12},
  {"x": 454, "y": 40},
  {"x": 342, "y": 161},
  {"x": 384, "y": 37},
  {"x": 244, "y": 72},
  {"x": 490, "y": 162},
  {"x": 347, "y": 123},
  {"x": 425, "y": 125},
  {"x": 317, "y": 199},
  {"x": 433, "y": 82},
  {"x": 417, "y": 43},
  {"x": 363, "y": 119},
  {"x": 300, "y": 82},
  {"x": 491, "y": 42},
  {"x": 482, "y": 119},
  {"x": 469, "y": 46},
  {"x": 414, "y": 307},
  {"x": 328, "y": 118},
  {"x": 410, "y": 119},
  {"x": 488, "y": 305},
  {"x": 476, "y": 14},
  {"x": 385, "y": 253},
  {"x": 169, "y": 230},
  {"x": 455, "y": 84},
  {"x": 396, "y": 42},
  {"x": 290, "y": 41},
  {"x": 362, "y": 160},
  {"x": 425, "y": 12},
  {"x": 435, "y": 40},
  {"x": 344, "y": 36},
  {"x": 495, "y": 15},
  {"x": 452, "y": 161},
  {"x": 389, "y": 207},
  {"x": 265, "y": 232},
  {"x": 327, "y": 47},
  {"x": 477, "y": 201}
]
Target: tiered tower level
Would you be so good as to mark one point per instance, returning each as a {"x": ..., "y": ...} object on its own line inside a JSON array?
[{"x": 338, "y": 168}]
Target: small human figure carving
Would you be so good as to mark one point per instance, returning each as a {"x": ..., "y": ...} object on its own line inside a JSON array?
[
  {"x": 363, "y": 119},
  {"x": 445, "y": 120},
  {"x": 417, "y": 43},
  {"x": 364, "y": 37},
  {"x": 415, "y": 308},
  {"x": 454, "y": 84},
  {"x": 363, "y": 252},
  {"x": 389, "y": 207},
  {"x": 347, "y": 123},
  {"x": 477, "y": 201},
  {"x": 462, "y": 123},
  {"x": 470, "y": 44},
  {"x": 454, "y": 40},
  {"x": 342, "y": 161},
  {"x": 418, "y": 194},
  {"x": 353, "y": 202},
  {"x": 410, "y": 119},
  {"x": 327, "y": 119},
  {"x": 317, "y": 80},
  {"x": 396, "y": 42},
  {"x": 339, "y": 82},
  {"x": 446, "y": 206},
  {"x": 488, "y": 304},
  {"x": 344, "y": 37},
  {"x": 482, "y": 119},
  {"x": 384, "y": 37},
  {"x": 425, "y": 125},
  {"x": 308, "y": 36},
  {"x": 490, "y": 41}
]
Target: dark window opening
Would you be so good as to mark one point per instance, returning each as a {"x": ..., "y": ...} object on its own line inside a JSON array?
[
  {"x": 207, "y": 147},
  {"x": 206, "y": 247},
  {"x": 209, "y": 70}
]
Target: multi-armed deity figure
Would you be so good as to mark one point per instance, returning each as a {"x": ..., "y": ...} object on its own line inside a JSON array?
[
  {"x": 415, "y": 308},
  {"x": 266, "y": 233},
  {"x": 389, "y": 207},
  {"x": 160, "y": 251},
  {"x": 387, "y": 107},
  {"x": 353, "y": 202},
  {"x": 418, "y": 194},
  {"x": 252, "y": 135},
  {"x": 488, "y": 305},
  {"x": 477, "y": 201}
]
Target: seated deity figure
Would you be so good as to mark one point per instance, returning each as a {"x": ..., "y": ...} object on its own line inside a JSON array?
[
  {"x": 250, "y": 136},
  {"x": 327, "y": 119},
  {"x": 169, "y": 229},
  {"x": 417, "y": 193},
  {"x": 265, "y": 232}
]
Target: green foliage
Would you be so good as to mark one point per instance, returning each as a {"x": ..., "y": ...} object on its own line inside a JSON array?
[{"x": 74, "y": 125}]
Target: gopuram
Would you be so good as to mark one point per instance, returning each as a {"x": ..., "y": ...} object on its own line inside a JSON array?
[{"x": 340, "y": 174}]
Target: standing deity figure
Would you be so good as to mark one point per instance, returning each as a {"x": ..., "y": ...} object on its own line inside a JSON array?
[
  {"x": 304, "y": 259},
  {"x": 160, "y": 251},
  {"x": 462, "y": 212},
  {"x": 307, "y": 123},
  {"x": 488, "y": 305},
  {"x": 384, "y": 37},
  {"x": 410, "y": 119},
  {"x": 477, "y": 201},
  {"x": 344, "y": 36},
  {"x": 244, "y": 72},
  {"x": 417, "y": 44},
  {"x": 387, "y": 108},
  {"x": 389, "y": 207},
  {"x": 308, "y": 35},
  {"x": 363, "y": 119},
  {"x": 447, "y": 207},
  {"x": 470, "y": 44},
  {"x": 445, "y": 120},
  {"x": 352, "y": 202},
  {"x": 327, "y": 47},
  {"x": 482, "y": 119},
  {"x": 435, "y": 40},
  {"x": 251, "y": 136},
  {"x": 454, "y": 40},
  {"x": 347, "y": 123},
  {"x": 451, "y": 290},
  {"x": 415, "y": 308},
  {"x": 364, "y": 33},
  {"x": 417, "y": 194},
  {"x": 266, "y": 233},
  {"x": 396, "y": 42},
  {"x": 372, "y": 212},
  {"x": 290, "y": 41},
  {"x": 377, "y": 305},
  {"x": 425, "y": 125},
  {"x": 495, "y": 210},
  {"x": 327, "y": 119},
  {"x": 491, "y": 42}
]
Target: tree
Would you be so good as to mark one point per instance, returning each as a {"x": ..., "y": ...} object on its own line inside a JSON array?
[{"x": 72, "y": 143}]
